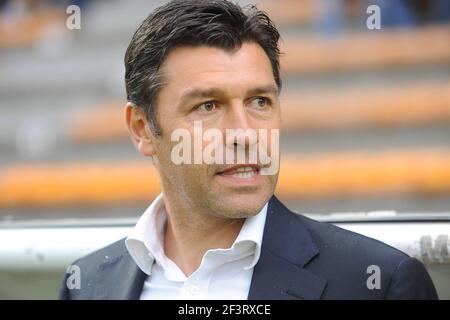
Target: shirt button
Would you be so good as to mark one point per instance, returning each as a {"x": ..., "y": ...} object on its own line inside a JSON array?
[{"x": 193, "y": 290}]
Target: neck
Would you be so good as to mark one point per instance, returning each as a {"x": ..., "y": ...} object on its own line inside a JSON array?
[{"x": 189, "y": 235}]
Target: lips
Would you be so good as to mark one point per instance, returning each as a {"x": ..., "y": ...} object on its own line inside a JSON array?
[{"x": 243, "y": 171}]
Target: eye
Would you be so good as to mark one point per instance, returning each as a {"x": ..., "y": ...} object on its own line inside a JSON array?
[
  {"x": 260, "y": 102},
  {"x": 206, "y": 106}
]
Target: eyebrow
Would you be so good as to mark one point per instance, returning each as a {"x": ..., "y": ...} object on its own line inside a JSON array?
[{"x": 196, "y": 93}]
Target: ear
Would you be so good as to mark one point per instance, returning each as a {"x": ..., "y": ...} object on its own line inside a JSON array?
[{"x": 140, "y": 133}]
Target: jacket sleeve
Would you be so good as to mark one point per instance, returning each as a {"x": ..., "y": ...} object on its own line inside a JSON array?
[
  {"x": 411, "y": 281},
  {"x": 63, "y": 290}
]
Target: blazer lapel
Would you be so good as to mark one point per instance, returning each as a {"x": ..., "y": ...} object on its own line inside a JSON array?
[
  {"x": 286, "y": 249},
  {"x": 120, "y": 279}
]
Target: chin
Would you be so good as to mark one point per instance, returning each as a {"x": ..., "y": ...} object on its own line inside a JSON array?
[{"x": 242, "y": 206}]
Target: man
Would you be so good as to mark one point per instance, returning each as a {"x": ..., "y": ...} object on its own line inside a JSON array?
[{"x": 217, "y": 231}]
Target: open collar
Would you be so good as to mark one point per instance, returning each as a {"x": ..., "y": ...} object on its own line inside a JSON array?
[{"x": 287, "y": 247}]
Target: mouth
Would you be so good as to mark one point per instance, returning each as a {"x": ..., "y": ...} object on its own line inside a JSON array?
[{"x": 243, "y": 173}]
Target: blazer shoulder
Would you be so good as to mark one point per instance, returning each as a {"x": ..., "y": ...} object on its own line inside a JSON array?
[
  {"x": 89, "y": 267},
  {"x": 103, "y": 255},
  {"x": 348, "y": 260},
  {"x": 330, "y": 236}
]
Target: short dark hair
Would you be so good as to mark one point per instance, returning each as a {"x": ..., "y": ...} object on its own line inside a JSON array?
[{"x": 217, "y": 23}]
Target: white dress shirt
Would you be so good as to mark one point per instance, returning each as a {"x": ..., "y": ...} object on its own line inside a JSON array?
[{"x": 222, "y": 274}]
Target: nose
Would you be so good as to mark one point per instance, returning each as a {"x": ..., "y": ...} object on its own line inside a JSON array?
[
  {"x": 237, "y": 117},
  {"x": 240, "y": 133}
]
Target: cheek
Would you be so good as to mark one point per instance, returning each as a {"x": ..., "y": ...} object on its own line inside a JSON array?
[
  {"x": 185, "y": 176},
  {"x": 190, "y": 180}
]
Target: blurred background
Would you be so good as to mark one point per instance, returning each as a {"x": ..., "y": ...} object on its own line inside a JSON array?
[{"x": 366, "y": 114}]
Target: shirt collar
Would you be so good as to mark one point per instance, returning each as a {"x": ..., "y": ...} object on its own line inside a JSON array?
[
  {"x": 252, "y": 232},
  {"x": 145, "y": 241}
]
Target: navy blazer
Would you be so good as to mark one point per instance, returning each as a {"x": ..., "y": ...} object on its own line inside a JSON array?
[{"x": 300, "y": 259}]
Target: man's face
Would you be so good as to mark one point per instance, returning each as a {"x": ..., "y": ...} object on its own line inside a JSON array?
[{"x": 224, "y": 90}]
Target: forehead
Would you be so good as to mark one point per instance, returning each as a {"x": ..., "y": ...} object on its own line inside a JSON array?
[{"x": 205, "y": 66}]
